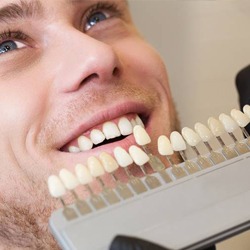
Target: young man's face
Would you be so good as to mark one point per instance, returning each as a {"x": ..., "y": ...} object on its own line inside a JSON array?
[{"x": 66, "y": 68}]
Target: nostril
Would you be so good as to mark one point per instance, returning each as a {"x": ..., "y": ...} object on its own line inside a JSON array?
[
  {"x": 115, "y": 71},
  {"x": 89, "y": 78}
]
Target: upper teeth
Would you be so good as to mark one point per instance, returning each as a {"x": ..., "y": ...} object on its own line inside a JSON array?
[{"x": 109, "y": 130}]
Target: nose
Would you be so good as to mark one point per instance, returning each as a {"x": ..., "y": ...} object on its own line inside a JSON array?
[{"x": 83, "y": 60}]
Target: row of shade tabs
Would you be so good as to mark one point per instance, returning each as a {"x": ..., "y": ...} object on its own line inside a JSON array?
[{"x": 97, "y": 167}]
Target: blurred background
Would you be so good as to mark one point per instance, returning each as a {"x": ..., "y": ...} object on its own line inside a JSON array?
[{"x": 204, "y": 44}]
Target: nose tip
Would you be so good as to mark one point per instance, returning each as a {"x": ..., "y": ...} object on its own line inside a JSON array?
[{"x": 96, "y": 62}]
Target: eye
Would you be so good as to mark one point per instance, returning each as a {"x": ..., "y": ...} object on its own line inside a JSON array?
[
  {"x": 10, "y": 45},
  {"x": 95, "y": 18}
]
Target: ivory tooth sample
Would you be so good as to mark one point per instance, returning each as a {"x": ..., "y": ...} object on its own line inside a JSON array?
[
  {"x": 110, "y": 165},
  {"x": 217, "y": 129},
  {"x": 230, "y": 126},
  {"x": 96, "y": 170},
  {"x": 58, "y": 190},
  {"x": 70, "y": 181},
  {"x": 165, "y": 149},
  {"x": 125, "y": 160},
  {"x": 192, "y": 138},
  {"x": 85, "y": 178},
  {"x": 180, "y": 146},
  {"x": 142, "y": 138},
  {"x": 140, "y": 158},
  {"x": 246, "y": 110},
  {"x": 242, "y": 120},
  {"x": 206, "y": 135}
]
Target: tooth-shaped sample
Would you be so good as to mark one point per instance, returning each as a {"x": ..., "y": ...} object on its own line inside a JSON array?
[
  {"x": 177, "y": 141},
  {"x": 83, "y": 174},
  {"x": 108, "y": 162},
  {"x": 97, "y": 136},
  {"x": 190, "y": 136},
  {"x": 203, "y": 132},
  {"x": 138, "y": 155},
  {"x": 215, "y": 126},
  {"x": 56, "y": 187},
  {"x": 241, "y": 118},
  {"x": 164, "y": 146},
  {"x": 69, "y": 180},
  {"x": 229, "y": 124},
  {"x": 95, "y": 167},
  {"x": 110, "y": 130},
  {"x": 139, "y": 121},
  {"x": 73, "y": 149},
  {"x": 84, "y": 143},
  {"x": 125, "y": 126},
  {"x": 141, "y": 136},
  {"x": 246, "y": 110},
  {"x": 122, "y": 157}
]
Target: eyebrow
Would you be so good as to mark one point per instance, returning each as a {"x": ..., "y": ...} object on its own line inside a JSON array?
[{"x": 20, "y": 10}]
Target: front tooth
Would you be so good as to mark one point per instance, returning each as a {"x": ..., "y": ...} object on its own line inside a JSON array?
[
  {"x": 164, "y": 146},
  {"x": 84, "y": 143},
  {"x": 95, "y": 167},
  {"x": 125, "y": 126},
  {"x": 190, "y": 136},
  {"x": 83, "y": 174},
  {"x": 97, "y": 136},
  {"x": 108, "y": 162},
  {"x": 110, "y": 130},
  {"x": 215, "y": 126},
  {"x": 122, "y": 157},
  {"x": 139, "y": 121},
  {"x": 68, "y": 179},
  {"x": 56, "y": 187},
  {"x": 73, "y": 149},
  {"x": 177, "y": 141},
  {"x": 138, "y": 155},
  {"x": 141, "y": 136}
]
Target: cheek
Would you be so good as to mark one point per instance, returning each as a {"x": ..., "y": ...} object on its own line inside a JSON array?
[{"x": 22, "y": 99}]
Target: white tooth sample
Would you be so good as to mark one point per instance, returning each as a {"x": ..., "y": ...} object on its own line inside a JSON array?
[
  {"x": 203, "y": 132},
  {"x": 97, "y": 136},
  {"x": 56, "y": 187},
  {"x": 73, "y": 149},
  {"x": 246, "y": 110},
  {"x": 141, "y": 136},
  {"x": 229, "y": 124},
  {"x": 122, "y": 157},
  {"x": 241, "y": 118},
  {"x": 125, "y": 126},
  {"x": 191, "y": 137},
  {"x": 84, "y": 143},
  {"x": 177, "y": 141},
  {"x": 215, "y": 126},
  {"x": 164, "y": 146},
  {"x": 108, "y": 162},
  {"x": 139, "y": 121},
  {"x": 95, "y": 167},
  {"x": 110, "y": 130},
  {"x": 138, "y": 155},
  {"x": 83, "y": 175},
  {"x": 69, "y": 180}
]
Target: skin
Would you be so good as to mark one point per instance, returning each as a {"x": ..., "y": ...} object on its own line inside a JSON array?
[{"x": 60, "y": 82}]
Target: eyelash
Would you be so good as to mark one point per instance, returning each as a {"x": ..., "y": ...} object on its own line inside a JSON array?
[{"x": 13, "y": 35}]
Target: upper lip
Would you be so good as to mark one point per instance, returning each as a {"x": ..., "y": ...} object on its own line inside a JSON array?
[{"x": 109, "y": 114}]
